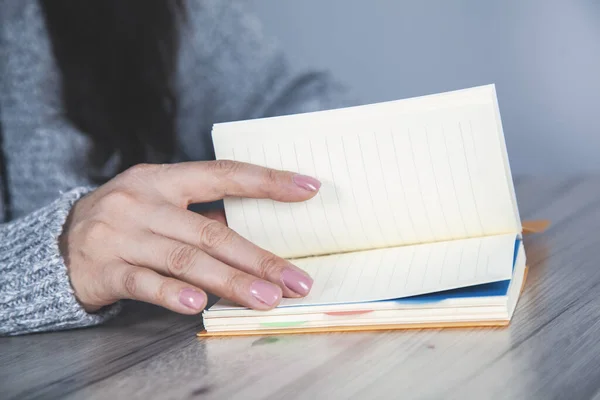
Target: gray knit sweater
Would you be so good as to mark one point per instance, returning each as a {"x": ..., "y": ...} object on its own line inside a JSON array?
[{"x": 227, "y": 70}]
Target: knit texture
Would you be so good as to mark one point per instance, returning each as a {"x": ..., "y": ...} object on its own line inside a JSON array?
[
  {"x": 227, "y": 70},
  {"x": 35, "y": 293}
]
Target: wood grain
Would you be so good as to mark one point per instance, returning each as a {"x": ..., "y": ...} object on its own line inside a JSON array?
[{"x": 550, "y": 350}]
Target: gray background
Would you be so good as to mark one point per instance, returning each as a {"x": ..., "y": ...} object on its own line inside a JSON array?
[{"x": 543, "y": 56}]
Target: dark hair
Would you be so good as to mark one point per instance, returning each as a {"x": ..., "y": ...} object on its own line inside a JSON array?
[{"x": 117, "y": 60}]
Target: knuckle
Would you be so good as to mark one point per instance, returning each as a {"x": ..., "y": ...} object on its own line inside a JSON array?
[
  {"x": 180, "y": 260},
  {"x": 161, "y": 293},
  {"x": 109, "y": 281},
  {"x": 213, "y": 234},
  {"x": 130, "y": 281},
  {"x": 139, "y": 169},
  {"x": 117, "y": 200},
  {"x": 226, "y": 167},
  {"x": 97, "y": 231},
  {"x": 271, "y": 179},
  {"x": 271, "y": 176},
  {"x": 234, "y": 285},
  {"x": 268, "y": 265}
]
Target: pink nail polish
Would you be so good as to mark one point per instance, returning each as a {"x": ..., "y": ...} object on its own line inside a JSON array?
[
  {"x": 266, "y": 293},
  {"x": 306, "y": 182},
  {"x": 192, "y": 299},
  {"x": 296, "y": 281}
]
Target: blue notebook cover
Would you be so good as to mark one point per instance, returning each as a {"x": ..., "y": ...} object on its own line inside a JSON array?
[{"x": 499, "y": 288}]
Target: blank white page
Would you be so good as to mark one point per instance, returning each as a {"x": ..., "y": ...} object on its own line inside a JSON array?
[
  {"x": 397, "y": 272},
  {"x": 421, "y": 170}
]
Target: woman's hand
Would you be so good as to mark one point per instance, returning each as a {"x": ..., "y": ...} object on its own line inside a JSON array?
[{"x": 133, "y": 238}]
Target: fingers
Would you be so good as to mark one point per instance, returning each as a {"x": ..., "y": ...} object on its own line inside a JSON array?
[
  {"x": 198, "y": 182},
  {"x": 202, "y": 251},
  {"x": 136, "y": 283},
  {"x": 190, "y": 264},
  {"x": 229, "y": 247}
]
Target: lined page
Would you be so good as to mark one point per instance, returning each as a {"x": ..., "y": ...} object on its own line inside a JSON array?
[
  {"x": 398, "y": 272},
  {"x": 412, "y": 171}
]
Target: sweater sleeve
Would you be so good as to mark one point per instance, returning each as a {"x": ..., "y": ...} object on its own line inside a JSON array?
[
  {"x": 45, "y": 159},
  {"x": 35, "y": 290}
]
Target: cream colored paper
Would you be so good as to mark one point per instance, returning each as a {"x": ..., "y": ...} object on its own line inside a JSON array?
[
  {"x": 421, "y": 170},
  {"x": 398, "y": 272}
]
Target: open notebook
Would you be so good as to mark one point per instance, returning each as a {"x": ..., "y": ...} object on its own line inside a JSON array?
[{"x": 416, "y": 222}]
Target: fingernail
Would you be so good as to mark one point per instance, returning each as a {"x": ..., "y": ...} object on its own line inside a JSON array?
[
  {"x": 266, "y": 293},
  {"x": 296, "y": 281},
  {"x": 306, "y": 182},
  {"x": 192, "y": 299}
]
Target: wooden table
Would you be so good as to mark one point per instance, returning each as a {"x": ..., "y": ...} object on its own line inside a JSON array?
[{"x": 551, "y": 350}]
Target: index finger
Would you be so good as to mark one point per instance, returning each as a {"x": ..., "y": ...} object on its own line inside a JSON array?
[{"x": 205, "y": 181}]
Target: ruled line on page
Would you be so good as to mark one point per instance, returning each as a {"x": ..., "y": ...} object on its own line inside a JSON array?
[
  {"x": 458, "y": 202},
  {"x": 435, "y": 179},
  {"x": 406, "y": 271},
  {"x": 413, "y": 158},
  {"x": 469, "y": 175},
  {"x": 337, "y": 196},
  {"x": 333, "y": 237},
  {"x": 397, "y": 173},
  {"x": 275, "y": 213},
  {"x": 386, "y": 182},
  {"x": 242, "y": 206},
  {"x": 369, "y": 189},
  {"x": 292, "y": 214},
  {"x": 310, "y": 221},
  {"x": 260, "y": 216}
]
